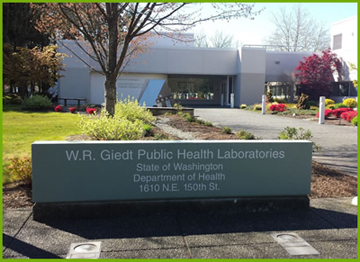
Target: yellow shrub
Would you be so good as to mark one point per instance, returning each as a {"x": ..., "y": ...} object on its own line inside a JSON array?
[
  {"x": 329, "y": 102},
  {"x": 350, "y": 102},
  {"x": 20, "y": 168},
  {"x": 257, "y": 107}
]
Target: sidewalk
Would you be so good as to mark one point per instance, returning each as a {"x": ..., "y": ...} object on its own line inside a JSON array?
[{"x": 329, "y": 226}]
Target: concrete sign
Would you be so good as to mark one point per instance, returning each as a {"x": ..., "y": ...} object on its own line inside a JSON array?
[{"x": 134, "y": 170}]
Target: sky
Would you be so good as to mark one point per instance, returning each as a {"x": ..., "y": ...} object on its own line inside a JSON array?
[{"x": 253, "y": 32}]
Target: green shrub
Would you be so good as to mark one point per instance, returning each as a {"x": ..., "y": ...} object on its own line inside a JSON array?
[
  {"x": 331, "y": 106},
  {"x": 37, "y": 102},
  {"x": 313, "y": 103},
  {"x": 340, "y": 105},
  {"x": 257, "y": 107},
  {"x": 128, "y": 122},
  {"x": 160, "y": 136},
  {"x": 354, "y": 121},
  {"x": 280, "y": 100},
  {"x": 20, "y": 169},
  {"x": 207, "y": 123},
  {"x": 329, "y": 102},
  {"x": 291, "y": 133},
  {"x": 189, "y": 118},
  {"x": 104, "y": 127},
  {"x": 203, "y": 122},
  {"x": 148, "y": 130},
  {"x": 131, "y": 110},
  {"x": 226, "y": 130},
  {"x": 12, "y": 99},
  {"x": 350, "y": 102},
  {"x": 243, "y": 106},
  {"x": 178, "y": 107},
  {"x": 243, "y": 135}
]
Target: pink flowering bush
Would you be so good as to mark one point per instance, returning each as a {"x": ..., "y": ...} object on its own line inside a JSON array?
[
  {"x": 90, "y": 110},
  {"x": 72, "y": 109},
  {"x": 58, "y": 108},
  {"x": 339, "y": 111},
  {"x": 327, "y": 113},
  {"x": 278, "y": 107},
  {"x": 349, "y": 115}
]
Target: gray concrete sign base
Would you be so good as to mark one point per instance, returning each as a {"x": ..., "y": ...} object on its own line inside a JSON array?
[{"x": 43, "y": 212}]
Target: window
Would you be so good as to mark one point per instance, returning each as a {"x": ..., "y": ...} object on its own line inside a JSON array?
[
  {"x": 192, "y": 87},
  {"x": 337, "y": 44},
  {"x": 343, "y": 89}
]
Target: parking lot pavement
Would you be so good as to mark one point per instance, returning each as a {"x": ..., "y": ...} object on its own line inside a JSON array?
[{"x": 338, "y": 143}]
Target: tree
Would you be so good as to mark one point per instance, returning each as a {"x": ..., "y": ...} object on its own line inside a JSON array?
[
  {"x": 217, "y": 40},
  {"x": 353, "y": 67},
  {"x": 31, "y": 67},
  {"x": 298, "y": 31},
  {"x": 316, "y": 74},
  {"x": 19, "y": 26},
  {"x": 115, "y": 31}
]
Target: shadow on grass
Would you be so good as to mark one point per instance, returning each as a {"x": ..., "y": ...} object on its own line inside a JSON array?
[{"x": 19, "y": 108}]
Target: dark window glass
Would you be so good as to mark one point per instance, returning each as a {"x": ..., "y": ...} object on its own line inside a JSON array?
[
  {"x": 344, "y": 89},
  {"x": 192, "y": 87},
  {"x": 353, "y": 90}
]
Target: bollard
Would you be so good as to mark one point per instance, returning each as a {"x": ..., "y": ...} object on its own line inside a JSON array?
[
  {"x": 232, "y": 100},
  {"x": 322, "y": 110},
  {"x": 263, "y": 104},
  {"x": 222, "y": 99}
]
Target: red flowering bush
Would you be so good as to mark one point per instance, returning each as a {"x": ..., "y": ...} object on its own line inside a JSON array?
[
  {"x": 349, "y": 115},
  {"x": 90, "y": 110},
  {"x": 339, "y": 111},
  {"x": 278, "y": 107},
  {"x": 72, "y": 109},
  {"x": 58, "y": 109},
  {"x": 327, "y": 113}
]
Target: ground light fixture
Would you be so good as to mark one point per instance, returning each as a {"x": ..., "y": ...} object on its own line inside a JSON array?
[
  {"x": 85, "y": 250},
  {"x": 294, "y": 244}
]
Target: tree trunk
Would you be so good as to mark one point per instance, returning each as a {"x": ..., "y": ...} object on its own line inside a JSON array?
[
  {"x": 110, "y": 94},
  {"x": 111, "y": 74}
]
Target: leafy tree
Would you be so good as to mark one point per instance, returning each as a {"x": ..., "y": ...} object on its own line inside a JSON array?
[
  {"x": 296, "y": 30},
  {"x": 111, "y": 32},
  {"x": 31, "y": 67},
  {"x": 19, "y": 27},
  {"x": 316, "y": 74},
  {"x": 354, "y": 67}
]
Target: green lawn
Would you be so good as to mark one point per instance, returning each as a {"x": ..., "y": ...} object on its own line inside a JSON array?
[{"x": 22, "y": 128}]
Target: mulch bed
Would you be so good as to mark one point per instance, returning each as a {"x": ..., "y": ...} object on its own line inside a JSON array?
[{"x": 325, "y": 182}]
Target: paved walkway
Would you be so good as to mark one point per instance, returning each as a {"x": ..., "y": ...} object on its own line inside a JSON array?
[
  {"x": 329, "y": 226},
  {"x": 339, "y": 143}
]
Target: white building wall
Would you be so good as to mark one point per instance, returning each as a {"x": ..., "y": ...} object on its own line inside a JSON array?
[
  {"x": 347, "y": 28},
  {"x": 76, "y": 81},
  {"x": 252, "y": 76},
  {"x": 192, "y": 61},
  {"x": 280, "y": 66}
]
